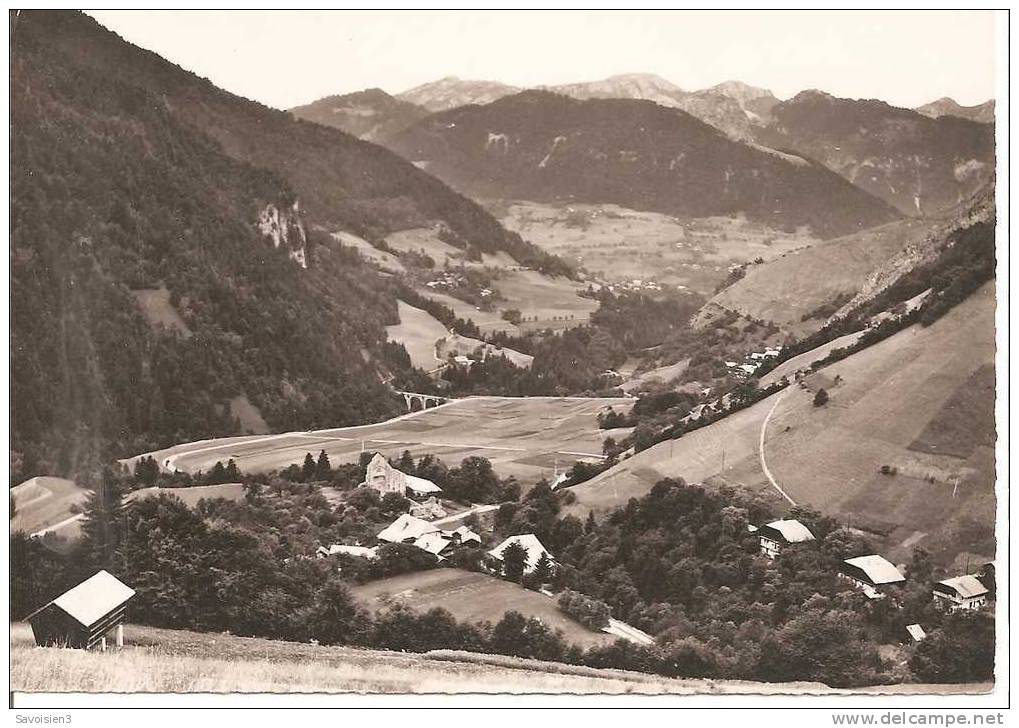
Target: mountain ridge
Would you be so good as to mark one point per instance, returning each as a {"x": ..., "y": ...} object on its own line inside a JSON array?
[{"x": 538, "y": 144}]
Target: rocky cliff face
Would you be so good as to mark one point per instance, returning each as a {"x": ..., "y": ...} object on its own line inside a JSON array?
[{"x": 283, "y": 226}]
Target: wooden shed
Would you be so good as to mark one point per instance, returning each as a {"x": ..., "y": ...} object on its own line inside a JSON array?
[{"x": 82, "y": 617}]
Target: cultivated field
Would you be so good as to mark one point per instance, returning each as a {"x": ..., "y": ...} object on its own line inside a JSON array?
[
  {"x": 474, "y": 597},
  {"x": 893, "y": 401},
  {"x": 45, "y": 504},
  {"x": 618, "y": 244},
  {"x": 418, "y": 331},
  {"x": 429, "y": 343},
  {"x": 191, "y": 496},
  {"x": 385, "y": 261},
  {"x": 803, "y": 361},
  {"x": 178, "y": 661},
  {"x": 488, "y": 322},
  {"x": 544, "y": 302},
  {"x": 523, "y": 437},
  {"x": 784, "y": 290}
]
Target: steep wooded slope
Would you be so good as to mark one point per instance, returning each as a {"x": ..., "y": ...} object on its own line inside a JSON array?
[
  {"x": 131, "y": 174},
  {"x": 371, "y": 114}
]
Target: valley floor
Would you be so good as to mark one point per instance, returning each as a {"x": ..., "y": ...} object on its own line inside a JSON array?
[
  {"x": 177, "y": 661},
  {"x": 523, "y": 437}
]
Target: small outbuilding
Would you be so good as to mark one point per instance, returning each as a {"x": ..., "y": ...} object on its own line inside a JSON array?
[{"x": 82, "y": 617}]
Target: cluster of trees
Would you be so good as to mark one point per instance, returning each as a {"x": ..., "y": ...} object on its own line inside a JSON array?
[{"x": 592, "y": 613}]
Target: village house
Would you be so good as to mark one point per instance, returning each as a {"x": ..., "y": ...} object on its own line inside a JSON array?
[
  {"x": 384, "y": 478},
  {"x": 960, "y": 592},
  {"x": 916, "y": 632},
  {"x": 530, "y": 544},
  {"x": 776, "y": 535},
  {"x": 84, "y": 616},
  {"x": 870, "y": 573},
  {"x": 408, "y": 529}
]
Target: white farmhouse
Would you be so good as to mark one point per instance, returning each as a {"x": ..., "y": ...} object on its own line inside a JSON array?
[
  {"x": 530, "y": 544},
  {"x": 960, "y": 592},
  {"x": 870, "y": 573},
  {"x": 777, "y": 535}
]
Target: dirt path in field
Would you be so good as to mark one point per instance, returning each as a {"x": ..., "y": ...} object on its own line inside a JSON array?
[{"x": 760, "y": 448}]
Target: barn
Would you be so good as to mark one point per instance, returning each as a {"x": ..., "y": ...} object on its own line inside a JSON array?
[
  {"x": 82, "y": 617},
  {"x": 776, "y": 535},
  {"x": 870, "y": 573}
]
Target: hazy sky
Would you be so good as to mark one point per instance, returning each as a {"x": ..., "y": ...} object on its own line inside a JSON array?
[{"x": 286, "y": 58}]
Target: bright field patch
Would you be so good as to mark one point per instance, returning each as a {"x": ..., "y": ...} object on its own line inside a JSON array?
[
  {"x": 419, "y": 332},
  {"x": 191, "y": 496},
  {"x": 47, "y": 504},
  {"x": 509, "y": 431},
  {"x": 474, "y": 597},
  {"x": 158, "y": 311}
]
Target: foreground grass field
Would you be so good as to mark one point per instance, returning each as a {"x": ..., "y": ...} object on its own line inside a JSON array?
[
  {"x": 895, "y": 403},
  {"x": 178, "y": 661},
  {"x": 474, "y": 597}
]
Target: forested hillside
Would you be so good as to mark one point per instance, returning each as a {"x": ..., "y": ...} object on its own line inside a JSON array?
[{"x": 114, "y": 192}]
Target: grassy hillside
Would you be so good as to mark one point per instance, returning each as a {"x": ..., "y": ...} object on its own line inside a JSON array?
[
  {"x": 178, "y": 661},
  {"x": 489, "y": 599},
  {"x": 891, "y": 405},
  {"x": 791, "y": 287},
  {"x": 544, "y": 147},
  {"x": 45, "y": 503}
]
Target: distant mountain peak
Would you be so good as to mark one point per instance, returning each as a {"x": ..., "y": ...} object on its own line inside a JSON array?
[
  {"x": 947, "y": 106},
  {"x": 741, "y": 91},
  {"x": 451, "y": 91}
]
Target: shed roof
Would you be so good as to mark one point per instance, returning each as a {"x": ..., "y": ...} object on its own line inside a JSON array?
[
  {"x": 966, "y": 586},
  {"x": 406, "y": 527},
  {"x": 92, "y": 599},
  {"x": 433, "y": 543},
  {"x": 530, "y": 543},
  {"x": 337, "y": 548},
  {"x": 421, "y": 485},
  {"x": 877, "y": 568},
  {"x": 791, "y": 530}
]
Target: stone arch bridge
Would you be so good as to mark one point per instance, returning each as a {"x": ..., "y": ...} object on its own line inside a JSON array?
[{"x": 416, "y": 401}]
